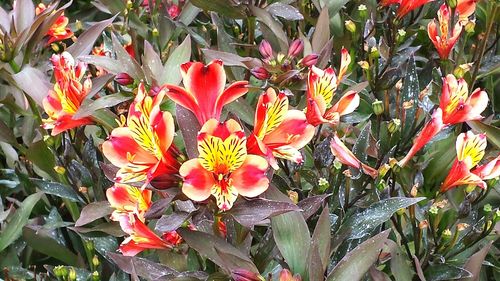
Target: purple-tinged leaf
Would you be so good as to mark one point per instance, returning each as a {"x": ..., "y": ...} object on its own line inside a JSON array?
[
  {"x": 171, "y": 73},
  {"x": 5, "y": 20},
  {"x": 171, "y": 222},
  {"x": 98, "y": 83},
  {"x": 265, "y": 18},
  {"x": 325, "y": 54},
  {"x": 93, "y": 211},
  {"x": 251, "y": 212},
  {"x": 24, "y": 14},
  {"x": 86, "y": 40},
  {"x": 229, "y": 59},
  {"x": 399, "y": 262},
  {"x": 285, "y": 11},
  {"x": 41, "y": 242},
  {"x": 189, "y": 127},
  {"x": 311, "y": 204},
  {"x": 321, "y": 237},
  {"x": 321, "y": 32},
  {"x": 90, "y": 106},
  {"x": 109, "y": 171},
  {"x": 33, "y": 82},
  {"x": 151, "y": 63},
  {"x": 377, "y": 275},
  {"x": 475, "y": 262},
  {"x": 143, "y": 267},
  {"x": 158, "y": 208},
  {"x": 128, "y": 63},
  {"x": 111, "y": 228}
]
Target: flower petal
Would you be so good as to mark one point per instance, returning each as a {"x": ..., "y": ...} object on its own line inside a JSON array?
[
  {"x": 234, "y": 91},
  {"x": 250, "y": 179},
  {"x": 197, "y": 181}
]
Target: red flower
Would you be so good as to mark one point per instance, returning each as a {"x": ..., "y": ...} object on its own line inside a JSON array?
[
  {"x": 59, "y": 30},
  {"x": 442, "y": 40},
  {"x": 405, "y": 6},
  {"x": 457, "y": 105},
  {"x": 470, "y": 150},
  {"x": 488, "y": 171},
  {"x": 142, "y": 147},
  {"x": 223, "y": 168},
  {"x": 286, "y": 275},
  {"x": 346, "y": 157},
  {"x": 141, "y": 237},
  {"x": 278, "y": 132},
  {"x": 68, "y": 94},
  {"x": 465, "y": 8},
  {"x": 126, "y": 199},
  {"x": 321, "y": 87},
  {"x": 204, "y": 93}
]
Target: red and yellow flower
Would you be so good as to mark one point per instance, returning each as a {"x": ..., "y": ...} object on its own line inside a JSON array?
[
  {"x": 59, "y": 30},
  {"x": 68, "y": 94},
  {"x": 203, "y": 92},
  {"x": 489, "y": 170},
  {"x": 278, "y": 132},
  {"x": 346, "y": 157},
  {"x": 470, "y": 150},
  {"x": 465, "y": 8},
  {"x": 444, "y": 40},
  {"x": 405, "y": 6},
  {"x": 126, "y": 199},
  {"x": 142, "y": 147},
  {"x": 457, "y": 105},
  {"x": 321, "y": 87},
  {"x": 223, "y": 168}
]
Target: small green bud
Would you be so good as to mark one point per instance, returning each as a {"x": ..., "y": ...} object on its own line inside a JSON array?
[
  {"x": 487, "y": 208},
  {"x": 378, "y": 107},
  {"x": 336, "y": 164},
  {"x": 433, "y": 210},
  {"x": 60, "y": 170},
  {"x": 155, "y": 32},
  {"x": 394, "y": 126},
  {"x": 95, "y": 261},
  {"x": 400, "y": 37},
  {"x": 72, "y": 274},
  {"x": 382, "y": 171},
  {"x": 95, "y": 276},
  {"x": 452, "y": 3},
  {"x": 401, "y": 211},
  {"x": 374, "y": 53},
  {"x": 381, "y": 185},
  {"x": 470, "y": 27},
  {"x": 89, "y": 245},
  {"x": 446, "y": 234},
  {"x": 363, "y": 11},
  {"x": 350, "y": 26},
  {"x": 496, "y": 216},
  {"x": 280, "y": 57},
  {"x": 60, "y": 271}
]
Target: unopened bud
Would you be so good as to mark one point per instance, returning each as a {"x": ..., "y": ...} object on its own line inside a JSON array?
[
  {"x": 309, "y": 60},
  {"x": 487, "y": 208},
  {"x": 265, "y": 49},
  {"x": 414, "y": 191},
  {"x": 89, "y": 245},
  {"x": 78, "y": 25},
  {"x": 260, "y": 73},
  {"x": 245, "y": 275},
  {"x": 378, "y": 107},
  {"x": 60, "y": 271},
  {"x": 295, "y": 48},
  {"x": 374, "y": 53},
  {"x": 60, "y": 170},
  {"x": 72, "y": 274},
  {"x": 400, "y": 37},
  {"x": 462, "y": 226},
  {"x": 55, "y": 47},
  {"x": 401, "y": 211},
  {"x": 350, "y": 26},
  {"x": 294, "y": 196},
  {"x": 381, "y": 185},
  {"x": 423, "y": 224},
  {"x": 363, "y": 11},
  {"x": 95, "y": 276},
  {"x": 95, "y": 261},
  {"x": 382, "y": 171},
  {"x": 462, "y": 69},
  {"x": 399, "y": 85},
  {"x": 470, "y": 27},
  {"x": 364, "y": 64},
  {"x": 446, "y": 234},
  {"x": 155, "y": 32},
  {"x": 124, "y": 79},
  {"x": 394, "y": 125},
  {"x": 323, "y": 184},
  {"x": 496, "y": 216}
]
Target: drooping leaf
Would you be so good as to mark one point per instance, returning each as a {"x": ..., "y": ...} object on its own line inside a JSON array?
[
  {"x": 14, "y": 227},
  {"x": 57, "y": 189},
  {"x": 311, "y": 205},
  {"x": 171, "y": 222},
  {"x": 357, "y": 262},
  {"x": 41, "y": 242},
  {"x": 171, "y": 70},
  {"x": 93, "y": 211},
  {"x": 438, "y": 272},
  {"x": 362, "y": 223},
  {"x": 86, "y": 40},
  {"x": 89, "y": 107},
  {"x": 250, "y": 212},
  {"x": 158, "y": 208},
  {"x": 33, "y": 82}
]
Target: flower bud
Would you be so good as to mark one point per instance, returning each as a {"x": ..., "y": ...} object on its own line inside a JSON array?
[
  {"x": 265, "y": 49},
  {"x": 462, "y": 226},
  {"x": 60, "y": 170},
  {"x": 378, "y": 107},
  {"x": 124, "y": 79},
  {"x": 350, "y": 26},
  {"x": 487, "y": 208},
  {"x": 461, "y": 70},
  {"x": 364, "y": 64},
  {"x": 309, "y": 60},
  {"x": 496, "y": 216},
  {"x": 72, "y": 274},
  {"x": 446, "y": 234},
  {"x": 294, "y": 196},
  {"x": 286, "y": 275},
  {"x": 401, "y": 211},
  {"x": 394, "y": 126},
  {"x": 78, "y": 25},
  {"x": 451, "y": 3},
  {"x": 363, "y": 11},
  {"x": 260, "y": 73},
  {"x": 381, "y": 185},
  {"x": 323, "y": 184},
  {"x": 470, "y": 27},
  {"x": 245, "y": 275},
  {"x": 95, "y": 261},
  {"x": 400, "y": 37},
  {"x": 95, "y": 276},
  {"x": 6, "y": 49},
  {"x": 374, "y": 53},
  {"x": 295, "y": 48},
  {"x": 382, "y": 171},
  {"x": 60, "y": 271},
  {"x": 155, "y": 32}
]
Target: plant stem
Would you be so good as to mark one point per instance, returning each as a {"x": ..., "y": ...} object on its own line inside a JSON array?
[{"x": 477, "y": 64}]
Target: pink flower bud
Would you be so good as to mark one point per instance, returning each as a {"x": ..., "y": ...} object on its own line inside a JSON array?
[
  {"x": 260, "y": 73},
  {"x": 295, "y": 48},
  {"x": 265, "y": 49},
  {"x": 309, "y": 60},
  {"x": 124, "y": 79},
  {"x": 173, "y": 11},
  {"x": 245, "y": 275}
]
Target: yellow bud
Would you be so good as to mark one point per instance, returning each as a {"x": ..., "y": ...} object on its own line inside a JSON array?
[
  {"x": 364, "y": 64},
  {"x": 294, "y": 196},
  {"x": 350, "y": 25},
  {"x": 72, "y": 274},
  {"x": 394, "y": 126},
  {"x": 60, "y": 170}
]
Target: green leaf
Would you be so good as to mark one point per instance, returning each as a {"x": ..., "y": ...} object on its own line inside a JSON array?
[
  {"x": 438, "y": 272},
  {"x": 6, "y": 134},
  {"x": 362, "y": 223},
  {"x": 400, "y": 266},
  {"x": 410, "y": 92},
  {"x": 86, "y": 40},
  {"x": 90, "y": 106},
  {"x": 291, "y": 234},
  {"x": 127, "y": 62},
  {"x": 171, "y": 70},
  {"x": 357, "y": 262},
  {"x": 14, "y": 227},
  {"x": 492, "y": 132},
  {"x": 42, "y": 157},
  {"x": 41, "y": 242},
  {"x": 321, "y": 238},
  {"x": 57, "y": 189},
  {"x": 223, "y": 7}
]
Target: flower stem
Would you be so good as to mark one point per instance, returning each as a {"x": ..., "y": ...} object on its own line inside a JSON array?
[{"x": 477, "y": 64}]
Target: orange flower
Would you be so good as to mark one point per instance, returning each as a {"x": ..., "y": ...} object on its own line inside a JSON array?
[
  {"x": 346, "y": 157},
  {"x": 125, "y": 199},
  {"x": 278, "y": 132},
  {"x": 204, "y": 93},
  {"x": 141, "y": 237},
  {"x": 223, "y": 168},
  {"x": 442, "y": 40},
  {"x": 65, "y": 100},
  {"x": 142, "y": 147},
  {"x": 457, "y": 105},
  {"x": 465, "y": 8},
  {"x": 286, "y": 275},
  {"x": 321, "y": 87},
  {"x": 470, "y": 150},
  {"x": 59, "y": 30},
  {"x": 405, "y": 6}
]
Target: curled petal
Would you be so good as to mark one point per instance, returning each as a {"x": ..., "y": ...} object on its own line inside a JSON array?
[
  {"x": 347, "y": 103},
  {"x": 489, "y": 170},
  {"x": 470, "y": 148},
  {"x": 460, "y": 175},
  {"x": 250, "y": 179},
  {"x": 198, "y": 182},
  {"x": 234, "y": 91},
  {"x": 343, "y": 154},
  {"x": 127, "y": 198}
]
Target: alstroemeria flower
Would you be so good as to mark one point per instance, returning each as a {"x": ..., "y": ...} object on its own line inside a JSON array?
[
  {"x": 465, "y": 8},
  {"x": 457, "y": 105},
  {"x": 59, "y": 30},
  {"x": 203, "y": 92},
  {"x": 142, "y": 147},
  {"x": 444, "y": 40},
  {"x": 405, "y": 6},
  {"x": 126, "y": 199},
  {"x": 223, "y": 168},
  {"x": 470, "y": 150},
  {"x": 65, "y": 99},
  {"x": 346, "y": 157},
  {"x": 321, "y": 87},
  {"x": 286, "y": 275},
  {"x": 278, "y": 132},
  {"x": 489, "y": 170},
  {"x": 141, "y": 237}
]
